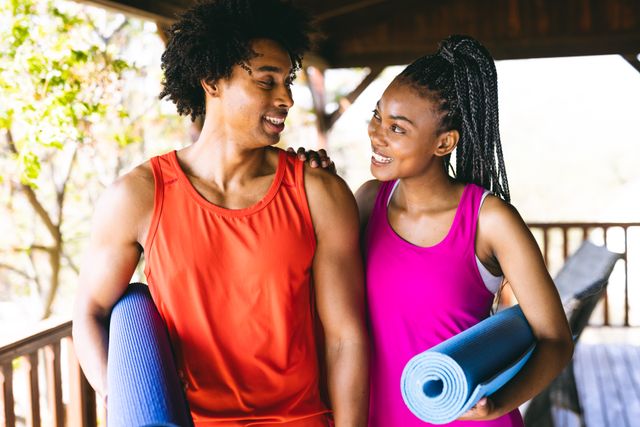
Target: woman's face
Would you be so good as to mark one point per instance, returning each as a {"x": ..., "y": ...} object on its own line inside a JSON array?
[{"x": 404, "y": 134}]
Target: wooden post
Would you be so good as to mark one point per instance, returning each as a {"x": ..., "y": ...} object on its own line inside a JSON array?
[
  {"x": 6, "y": 378},
  {"x": 34, "y": 388},
  {"x": 315, "y": 79},
  {"x": 633, "y": 60},
  {"x": 54, "y": 383},
  {"x": 82, "y": 405}
]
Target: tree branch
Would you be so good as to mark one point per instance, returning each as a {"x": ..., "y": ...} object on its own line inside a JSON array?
[
  {"x": 70, "y": 263},
  {"x": 33, "y": 198},
  {"x": 36, "y": 277},
  {"x": 15, "y": 270},
  {"x": 62, "y": 188},
  {"x": 42, "y": 248}
]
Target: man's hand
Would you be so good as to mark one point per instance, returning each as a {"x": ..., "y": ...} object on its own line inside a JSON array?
[{"x": 314, "y": 158}]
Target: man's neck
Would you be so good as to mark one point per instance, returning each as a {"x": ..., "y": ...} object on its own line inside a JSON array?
[{"x": 223, "y": 160}]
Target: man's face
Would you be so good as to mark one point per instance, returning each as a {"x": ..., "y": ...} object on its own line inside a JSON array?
[{"x": 256, "y": 98}]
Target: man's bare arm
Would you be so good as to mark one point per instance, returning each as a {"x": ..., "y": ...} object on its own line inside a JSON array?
[
  {"x": 109, "y": 262},
  {"x": 338, "y": 278}
]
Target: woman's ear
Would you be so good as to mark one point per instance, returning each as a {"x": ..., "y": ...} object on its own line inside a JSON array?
[
  {"x": 447, "y": 142},
  {"x": 211, "y": 88}
]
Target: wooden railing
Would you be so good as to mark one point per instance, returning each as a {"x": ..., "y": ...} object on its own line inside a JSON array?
[
  {"x": 559, "y": 240},
  {"x": 45, "y": 352},
  {"x": 49, "y": 351}
]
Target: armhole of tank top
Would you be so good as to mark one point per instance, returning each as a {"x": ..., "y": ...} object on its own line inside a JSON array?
[
  {"x": 158, "y": 199},
  {"x": 304, "y": 202},
  {"x": 489, "y": 280}
]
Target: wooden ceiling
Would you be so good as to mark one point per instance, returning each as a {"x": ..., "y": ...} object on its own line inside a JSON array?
[{"x": 374, "y": 33}]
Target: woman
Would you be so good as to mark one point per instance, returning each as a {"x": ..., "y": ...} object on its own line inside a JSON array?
[{"x": 439, "y": 244}]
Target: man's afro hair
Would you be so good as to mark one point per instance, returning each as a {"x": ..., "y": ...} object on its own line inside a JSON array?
[{"x": 214, "y": 35}]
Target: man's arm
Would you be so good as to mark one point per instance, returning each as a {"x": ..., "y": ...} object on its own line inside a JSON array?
[
  {"x": 339, "y": 283},
  {"x": 109, "y": 262}
]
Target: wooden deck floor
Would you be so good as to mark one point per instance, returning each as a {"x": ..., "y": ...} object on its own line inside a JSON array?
[{"x": 607, "y": 374}]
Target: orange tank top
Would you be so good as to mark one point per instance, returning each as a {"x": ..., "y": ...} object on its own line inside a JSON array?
[{"x": 234, "y": 289}]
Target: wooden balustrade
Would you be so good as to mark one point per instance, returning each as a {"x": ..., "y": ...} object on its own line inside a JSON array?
[
  {"x": 571, "y": 234},
  {"x": 42, "y": 352}
]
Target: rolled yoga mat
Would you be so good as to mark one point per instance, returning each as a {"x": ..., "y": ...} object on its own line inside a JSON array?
[
  {"x": 442, "y": 383},
  {"x": 142, "y": 380}
]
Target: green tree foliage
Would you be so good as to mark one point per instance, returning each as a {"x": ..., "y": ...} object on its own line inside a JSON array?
[{"x": 75, "y": 109}]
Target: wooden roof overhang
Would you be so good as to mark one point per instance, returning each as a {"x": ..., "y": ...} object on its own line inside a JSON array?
[
  {"x": 378, "y": 33},
  {"x": 374, "y": 33}
]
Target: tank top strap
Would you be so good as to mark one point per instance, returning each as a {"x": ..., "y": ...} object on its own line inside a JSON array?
[
  {"x": 164, "y": 166},
  {"x": 163, "y": 174},
  {"x": 464, "y": 234}
]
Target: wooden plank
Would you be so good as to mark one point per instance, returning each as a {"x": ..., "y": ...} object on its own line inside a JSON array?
[
  {"x": 609, "y": 389},
  {"x": 564, "y": 418},
  {"x": 588, "y": 387},
  {"x": 632, "y": 359},
  {"x": 6, "y": 377},
  {"x": 54, "y": 383},
  {"x": 620, "y": 370},
  {"x": 34, "y": 388}
]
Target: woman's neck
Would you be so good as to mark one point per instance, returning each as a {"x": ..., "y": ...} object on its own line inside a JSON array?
[{"x": 426, "y": 193}]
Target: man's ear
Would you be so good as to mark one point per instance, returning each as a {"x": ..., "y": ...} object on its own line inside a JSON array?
[
  {"x": 210, "y": 87},
  {"x": 447, "y": 142}
]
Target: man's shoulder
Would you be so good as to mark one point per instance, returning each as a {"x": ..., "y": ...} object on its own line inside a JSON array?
[
  {"x": 368, "y": 191},
  {"x": 130, "y": 194},
  {"x": 322, "y": 183},
  {"x": 136, "y": 183},
  {"x": 332, "y": 205}
]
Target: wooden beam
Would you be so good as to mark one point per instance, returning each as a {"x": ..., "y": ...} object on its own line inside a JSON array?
[
  {"x": 315, "y": 80},
  {"x": 385, "y": 55},
  {"x": 633, "y": 60},
  {"x": 155, "y": 10},
  {"x": 345, "y": 9},
  {"x": 398, "y": 32},
  {"x": 346, "y": 101}
]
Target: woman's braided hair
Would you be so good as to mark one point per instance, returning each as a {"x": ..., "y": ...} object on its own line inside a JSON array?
[
  {"x": 462, "y": 82},
  {"x": 214, "y": 35}
]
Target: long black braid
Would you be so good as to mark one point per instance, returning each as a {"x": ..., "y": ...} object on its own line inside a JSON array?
[{"x": 461, "y": 80}]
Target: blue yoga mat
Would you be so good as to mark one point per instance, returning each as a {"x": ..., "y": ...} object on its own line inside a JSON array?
[
  {"x": 142, "y": 381},
  {"x": 442, "y": 383}
]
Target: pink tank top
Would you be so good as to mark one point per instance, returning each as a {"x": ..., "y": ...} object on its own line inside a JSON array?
[{"x": 417, "y": 298}]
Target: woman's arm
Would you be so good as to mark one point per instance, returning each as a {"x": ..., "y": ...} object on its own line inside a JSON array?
[{"x": 504, "y": 239}]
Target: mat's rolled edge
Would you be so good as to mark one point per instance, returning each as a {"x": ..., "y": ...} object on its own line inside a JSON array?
[
  {"x": 143, "y": 384},
  {"x": 440, "y": 367},
  {"x": 490, "y": 385}
]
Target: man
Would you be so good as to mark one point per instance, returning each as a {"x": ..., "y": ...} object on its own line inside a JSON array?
[{"x": 243, "y": 244}]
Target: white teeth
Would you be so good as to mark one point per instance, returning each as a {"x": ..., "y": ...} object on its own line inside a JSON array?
[
  {"x": 274, "y": 120},
  {"x": 381, "y": 159}
]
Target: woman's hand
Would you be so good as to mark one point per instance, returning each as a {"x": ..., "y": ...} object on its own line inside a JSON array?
[
  {"x": 314, "y": 158},
  {"x": 481, "y": 411}
]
